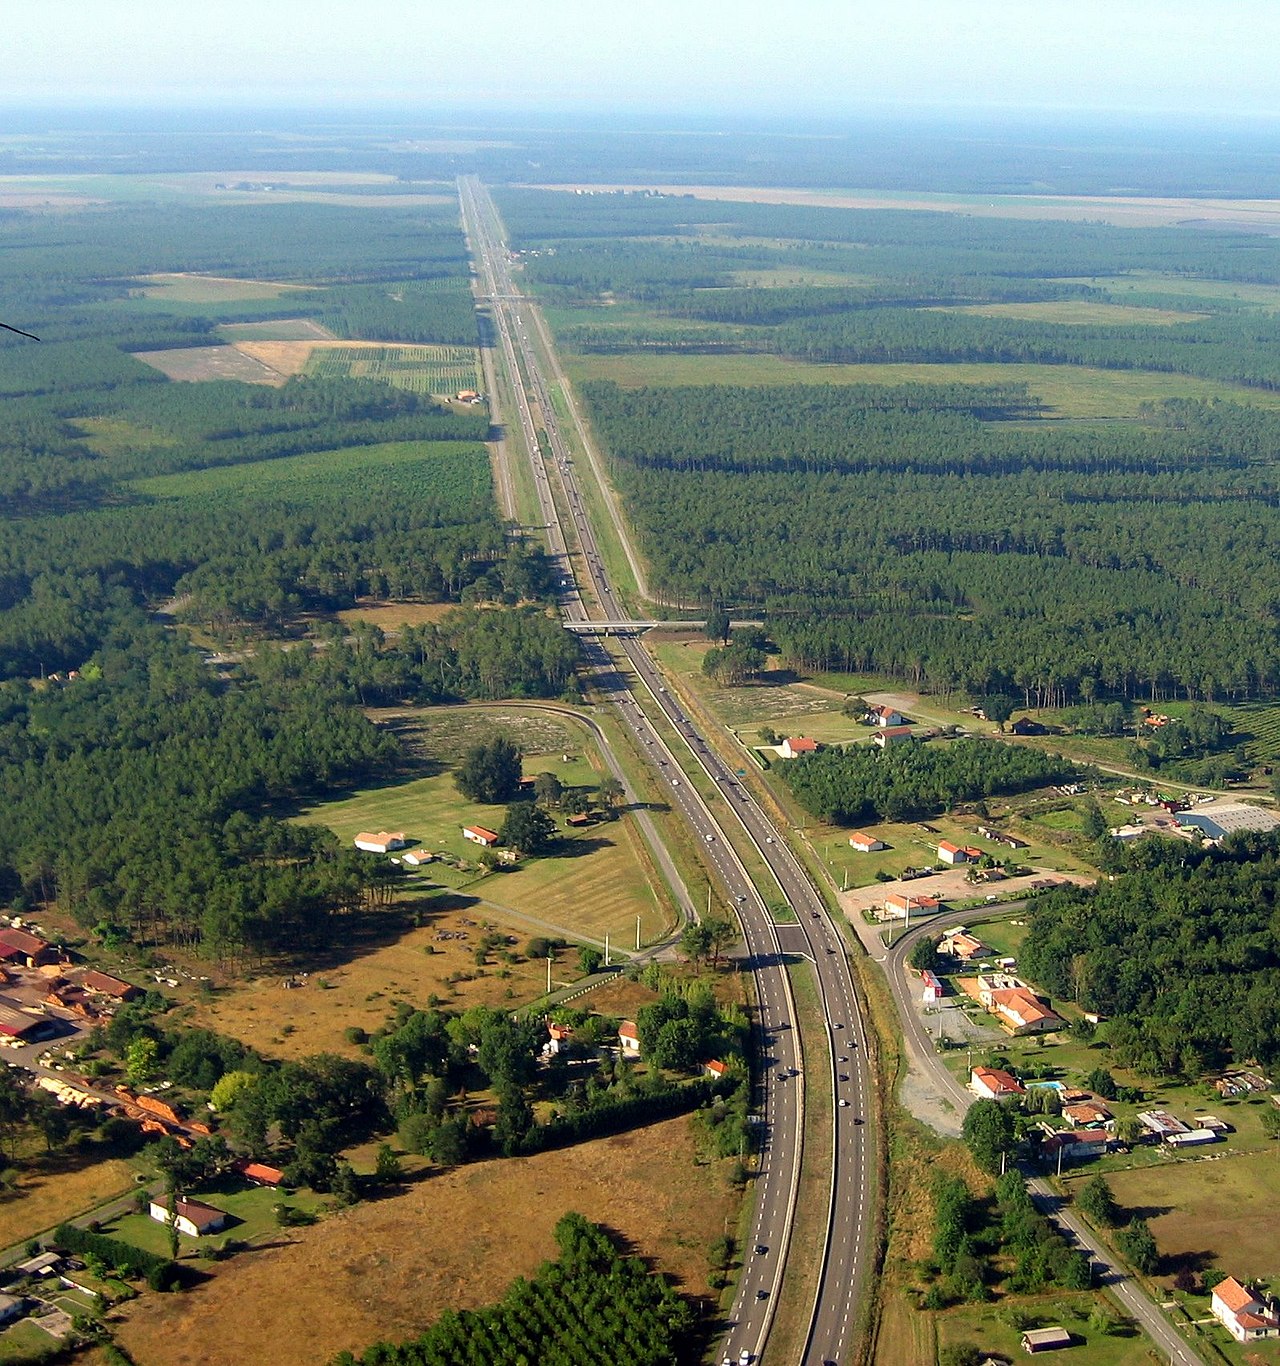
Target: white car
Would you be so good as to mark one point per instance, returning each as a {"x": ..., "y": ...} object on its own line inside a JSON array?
[{"x": 744, "y": 1358}]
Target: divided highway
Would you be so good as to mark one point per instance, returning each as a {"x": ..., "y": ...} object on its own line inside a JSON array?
[{"x": 848, "y": 1250}]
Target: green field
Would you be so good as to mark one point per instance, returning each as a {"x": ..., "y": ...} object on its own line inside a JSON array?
[
  {"x": 420, "y": 469},
  {"x": 595, "y": 881},
  {"x": 276, "y": 329},
  {"x": 1081, "y": 313},
  {"x": 985, "y": 1327},
  {"x": 439, "y": 370},
  {"x": 1265, "y": 296},
  {"x": 211, "y": 289},
  {"x": 1065, "y": 390}
]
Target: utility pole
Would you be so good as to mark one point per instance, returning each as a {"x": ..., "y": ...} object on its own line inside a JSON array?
[
  {"x": 606, "y": 948},
  {"x": 1060, "y": 1148},
  {"x": 637, "y": 934},
  {"x": 549, "y": 957}
]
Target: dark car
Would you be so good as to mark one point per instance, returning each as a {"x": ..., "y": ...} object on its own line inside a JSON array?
[
  {"x": 761, "y": 1249},
  {"x": 762, "y": 1294}
]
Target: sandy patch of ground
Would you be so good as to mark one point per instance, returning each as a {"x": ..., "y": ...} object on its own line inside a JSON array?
[
  {"x": 951, "y": 885},
  {"x": 391, "y": 616},
  {"x": 1258, "y": 215},
  {"x": 291, "y": 357},
  {"x": 195, "y": 363},
  {"x": 386, "y": 1270}
]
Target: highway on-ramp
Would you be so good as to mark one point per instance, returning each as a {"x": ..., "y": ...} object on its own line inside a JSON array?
[{"x": 848, "y": 1251}]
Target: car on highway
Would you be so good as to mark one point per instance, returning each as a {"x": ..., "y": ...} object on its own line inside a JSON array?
[
  {"x": 762, "y": 1294},
  {"x": 844, "y": 1103},
  {"x": 837, "y": 1025},
  {"x": 761, "y": 1249},
  {"x": 844, "y": 1076},
  {"x": 744, "y": 1358},
  {"x": 844, "y": 1057}
]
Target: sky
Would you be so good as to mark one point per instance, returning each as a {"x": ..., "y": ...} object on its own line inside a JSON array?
[{"x": 739, "y": 57}]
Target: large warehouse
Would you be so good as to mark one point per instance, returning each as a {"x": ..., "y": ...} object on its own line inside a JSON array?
[{"x": 1228, "y": 818}]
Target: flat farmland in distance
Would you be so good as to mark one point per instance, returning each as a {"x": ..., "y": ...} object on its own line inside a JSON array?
[
  {"x": 1140, "y": 282},
  {"x": 440, "y": 370},
  {"x": 211, "y": 289},
  {"x": 196, "y": 363},
  {"x": 385, "y": 1269},
  {"x": 276, "y": 329},
  {"x": 1065, "y": 390},
  {"x": 1080, "y": 312}
]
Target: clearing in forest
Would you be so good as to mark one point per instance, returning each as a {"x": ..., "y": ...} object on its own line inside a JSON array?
[
  {"x": 211, "y": 289},
  {"x": 196, "y": 363}
]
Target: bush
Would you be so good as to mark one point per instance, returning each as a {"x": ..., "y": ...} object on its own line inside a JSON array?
[
  {"x": 354, "y": 1034},
  {"x": 160, "y": 1272}
]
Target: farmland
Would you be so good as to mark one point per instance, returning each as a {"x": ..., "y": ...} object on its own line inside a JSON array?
[
  {"x": 439, "y": 370},
  {"x": 194, "y": 364},
  {"x": 211, "y": 289}
]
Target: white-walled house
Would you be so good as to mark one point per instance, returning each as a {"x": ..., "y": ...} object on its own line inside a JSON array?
[
  {"x": 381, "y": 843},
  {"x": 192, "y": 1217}
]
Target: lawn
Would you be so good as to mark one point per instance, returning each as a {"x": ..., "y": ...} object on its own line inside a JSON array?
[
  {"x": 25, "y": 1342},
  {"x": 1065, "y": 390},
  {"x": 985, "y": 1326},
  {"x": 384, "y": 1270}
]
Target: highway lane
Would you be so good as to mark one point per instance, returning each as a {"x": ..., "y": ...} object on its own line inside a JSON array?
[
  {"x": 1128, "y": 1291},
  {"x": 848, "y": 1248}
]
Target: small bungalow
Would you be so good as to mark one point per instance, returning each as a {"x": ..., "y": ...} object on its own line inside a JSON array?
[
  {"x": 992, "y": 1083},
  {"x": 901, "y": 905},
  {"x": 1021, "y": 1012},
  {"x": 1077, "y": 1143},
  {"x": 891, "y": 735},
  {"x": 629, "y": 1037},
  {"x": 959, "y": 943},
  {"x": 578, "y": 821},
  {"x": 1045, "y": 1340},
  {"x": 381, "y": 843},
  {"x": 885, "y": 716},
  {"x": 865, "y": 842},
  {"x": 477, "y": 834},
  {"x": 796, "y": 745},
  {"x": 416, "y": 858},
  {"x": 715, "y": 1068},
  {"x": 192, "y": 1217},
  {"x": 258, "y": 1172},
  {"x": 1087, "y": 1114}
]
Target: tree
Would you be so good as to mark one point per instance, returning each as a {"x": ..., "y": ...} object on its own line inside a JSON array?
[
  {"x": 141, "y": 1060},
  {"x": 695, "y": 940},
  {"x": 612, "y": 793},
  {"x": 1101, "y": 1081},
  {"x": 1093, "y": 822},
  {"x": 388, "y": 1167},
  {"x": 228, "y": 1087},
  {"x": 717, "y": 625},
  {"x": 589, "y": 960},
  {"x": 1096, "y": 1201},
  {"x": 924, "y": 954},
  {"x": 1138, "y": 1246},
  {"x": 548, "y": 789},
  {"x": 998, "y": 708},
  {"x": 490, "y": 772},
  {"x": 721, "y": 935},
  {"x": 527, "y": 828},
  {"x": 990, "y": 1132}
]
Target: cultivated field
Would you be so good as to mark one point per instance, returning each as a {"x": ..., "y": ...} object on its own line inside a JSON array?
[
  {"x": 196, "y": 363},
  {"x": 1064, "y": 390},
  {"x": 439, "y": 370},
  {"x": 276, "y": 329},
  {"x": 1081, "y": 312},
  {"x": 387, "y": 1269}
]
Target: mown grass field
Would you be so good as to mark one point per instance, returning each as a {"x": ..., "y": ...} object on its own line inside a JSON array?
[
  {"x": 211, "y": 289},
  {"x": 438, "y": 370},
  {"x": 49, "y": 1189},
  {"x": 108, "y": 436},
  {"x": 275, "y": 329},
  {"x": 1081, "y": 313},
  {"x": 194, "y": 364},
  {"x": 1065, "y": 390},
  {"x": 985, "y": 1328},
  {"x": 1265, "y": 296}
]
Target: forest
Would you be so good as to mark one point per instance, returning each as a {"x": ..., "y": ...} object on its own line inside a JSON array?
[
  {"x": 1180, "y": 950},
  {"x": 860, "y": 783}
]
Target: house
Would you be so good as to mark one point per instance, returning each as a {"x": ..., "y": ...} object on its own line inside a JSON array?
[
  {"x": 932, "y": 987},
  {"x": 192, "y": 1217},
  {"x": 989, "y": 983},
  {"x": 416, "y": 858},
  {"x": 106, "y": 985},
  {"x": 891, "y": 735},
  {"x": 991, "y": 1083},
  {"x": 1077, "y": 1143},
  {"x": 1024, "y": 725},
  {"x": 578, "y": 820},
  {"x": 381, "y": 843},
  {"x": 477, "y": 834},
  {"x": 1246, "y": 1316},
  {"x": 1045, "y": 1340},
  {"x": 796, "y": 745},
  {"x": 17, "y": 946},
  {"x": 955, "y": 853},
  {"x": 901, "y": 905},
  {"x": 258, "y": 1172},
  {"x": 1086, "y": 1114},
  {"x": 1020, "y": 1011},
  {"x": 715, "y": 1068},
  {"x": 886, "y": 716},
  {"x": 560, "y": 1035},
  {"x": 1161, "y": 1123},
  {"x": 11, "y": 1307},
  {"x": 959, "y": 943},
  {"x": 629, "y": 1037},
  {"x": 864, "y": 842}
]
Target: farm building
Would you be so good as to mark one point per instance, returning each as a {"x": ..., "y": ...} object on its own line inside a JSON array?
[
  {"x": 1193, "y": 1138},
  {"x": 1229, "y": 817},
  {"x": 477, "y": 834},
  {"x": 192, "y": 1217},
  {"x": 1001, "y": 837},
  {"x": 956, "y": 853},
  {"x": 15, "y": 1023},
  {"x": 864, "y": 842},
  {"x": 901, "y": 905},
  {"x": 381, "y": 843},
  {"x": 106, "y": 985},
  {"x": 1045, "y": 1340},
  {"x": 415, "y": 858},
  {"x": 796, "y": 745},
  {"x": 1161, "y": 1123},
  {"x": 891, "y": 735},
  {"x": 11, "y": 1307},
  {"x": 17, "y": 946},
  {"x": 258, "y": 1172}
]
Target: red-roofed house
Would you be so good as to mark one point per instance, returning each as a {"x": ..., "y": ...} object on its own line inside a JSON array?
[
  {"x": 106, "y": 985},
  {"x": 963, "y": 945},
  {"x": 891, "y": 735},
  {"x": 865, "y": 842},
  {"x": 1086, "y": 1113},
  {"x": 951, "y": 853},
  {"x": 715, "y": 1068},
  {"x": 899, "y": 905},
  {"x": 259, "y": 1172},
  {"x": 991, "y": 1083},
  {"x": 1020, "y": 1012},
  {"x": 886, "y": 716},
  {"x": 192, "y": 1217},
  {"x": 1246, "y": 1316},
  {"x": 796, "y": 745},
  {"x": 477, "y": 834},
  {"x": 629, "y": 1037}
]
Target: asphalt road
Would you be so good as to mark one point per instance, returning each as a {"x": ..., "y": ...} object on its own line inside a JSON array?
[
  {"x": 851, "y": 1195},
  {"x": 923, "y": 1054}
]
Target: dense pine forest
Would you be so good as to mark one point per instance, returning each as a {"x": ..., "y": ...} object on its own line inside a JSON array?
[{"x": 957, "y": 535}]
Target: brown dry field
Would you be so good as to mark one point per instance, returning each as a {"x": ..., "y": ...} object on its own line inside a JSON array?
[
  {"x": 363, "y": 989},
  {"x": 383, "y": 1271},
  {"x": 53, "y": 1190},
  {"x": 390, "y": 616},
  {"x": 1262, "y": 215}
]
